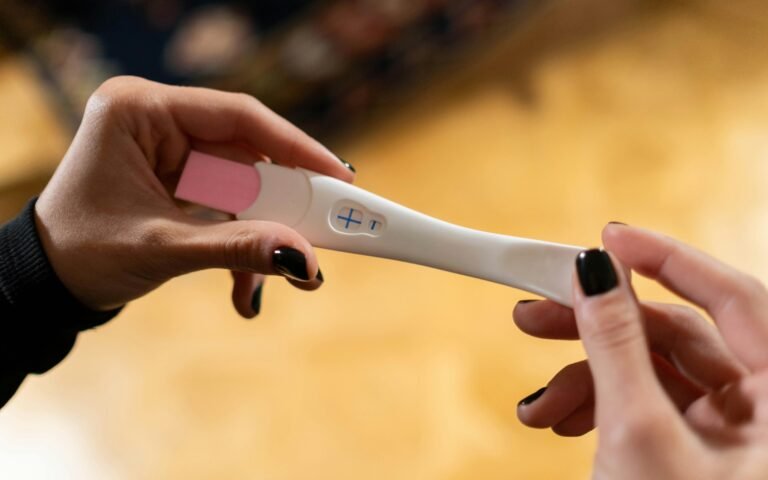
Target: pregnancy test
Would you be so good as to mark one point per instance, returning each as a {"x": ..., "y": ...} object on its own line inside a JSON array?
[{"x": 335, "y": 215}]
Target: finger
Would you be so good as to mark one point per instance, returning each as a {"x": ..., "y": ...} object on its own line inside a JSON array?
[
  {"x": 738, "y": 404},
  {"x": 680, "y": 390},
  {"x": 677, "y": 333},
  {"x": 570, "y": 389},
  {"x": 545, "y": 319},
  {"x": 186, "y": 244},
  {"x": 580, "y": 422},
  {"x": 692, "y": 345},
  {"x": 247, "y": 293},
  {"x": 164, "y": 119},
  {"x": 311, "y": 285},
  {"x": 216, "y": 116},
  {"x": 582, "y": 419},
  {"x": 610, "y": 327},
  {"x": 737, "y": 302},
  {"x": 568, "y": 400},
  {"x": 237, "y": 152}
]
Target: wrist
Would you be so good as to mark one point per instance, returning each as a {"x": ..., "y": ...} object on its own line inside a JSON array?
[{"x": 63, "y": 290}]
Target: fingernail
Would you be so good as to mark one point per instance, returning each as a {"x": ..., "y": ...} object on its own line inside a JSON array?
[
  {"x": 291, "y": 263},
  {"x": 532, "y": 397},
  {"x": 320, "y": 276},
  {"x": 256, "y": 299},
  {"x": 617, "y": 223},
  {"x": 523, "y": 302},
  {"x": 347, "y": 164},
  {"x": 596, "y": 273}
]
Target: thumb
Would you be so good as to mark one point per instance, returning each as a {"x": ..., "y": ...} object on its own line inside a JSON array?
[
  {"x": 610, "y": 325},
  {"x": 245, "y": 245}
]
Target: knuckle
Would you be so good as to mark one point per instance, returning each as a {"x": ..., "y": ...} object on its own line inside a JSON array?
[
  {"x": 115, "y": 90},
  {"x": 248, "y": 105},
  {"x": 236, "y": 249},
  {"x": 685, "y": 319},
  {"x": 154, "y": 250},
  {"x": 157, "y": 235},
  {"x": 751, "y": 287},
  {"x": 122, "y": 82},
  {"x": 244, "y": 248},
  {"x": 642, "y": 428},
  {"x": 247, "y": 100},
  {"x": 685, "y": 312},
  {"x": 745, "y": 293},
  {"x": 249, "y": 247},
  {"x": 577, "y": 378},
  {"x": 574, "y": 371},
  {"x": 614, "y": 325},
  {"x": 118, "y": 94}
]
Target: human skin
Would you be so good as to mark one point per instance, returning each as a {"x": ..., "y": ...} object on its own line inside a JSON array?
[
  {"x": 108, "y": 221},
  {"x": 671, "y": 395}
]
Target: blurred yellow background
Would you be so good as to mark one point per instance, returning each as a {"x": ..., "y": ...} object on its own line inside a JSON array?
[{"x": 651, "y": 113}]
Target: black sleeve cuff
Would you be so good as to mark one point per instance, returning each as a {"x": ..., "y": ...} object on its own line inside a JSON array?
[{"x": 39, "y": 317}]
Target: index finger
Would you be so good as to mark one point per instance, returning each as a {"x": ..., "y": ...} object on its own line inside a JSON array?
[
  {"x": 216, "y": 116},
  {"x": 736, "y": 301}
]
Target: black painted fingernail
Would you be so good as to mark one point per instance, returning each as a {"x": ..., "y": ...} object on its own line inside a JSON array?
[
  {"x": 256, "y": 299},
  {"x": 291, "y": 263},
  {"x": 320, "y": 276},
  {"x": 523, "y": 302},
  {"x": 617, "y": 223},
  {"x": 347, "y": 164},
  {"x": 532, "y": 397},
  {"x": 596, "y": 273}
]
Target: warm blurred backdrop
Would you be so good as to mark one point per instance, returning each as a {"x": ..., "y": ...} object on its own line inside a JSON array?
[{"x": 542, "y": 119}]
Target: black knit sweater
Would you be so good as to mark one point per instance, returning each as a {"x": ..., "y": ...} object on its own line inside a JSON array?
[{"x": 39, "y": 317}]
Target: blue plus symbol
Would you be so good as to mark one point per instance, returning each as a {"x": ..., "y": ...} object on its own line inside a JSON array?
[{"x": 349, "y": 218}]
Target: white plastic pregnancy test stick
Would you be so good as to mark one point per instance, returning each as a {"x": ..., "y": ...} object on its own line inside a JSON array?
[{"x": 336, "y": 215}]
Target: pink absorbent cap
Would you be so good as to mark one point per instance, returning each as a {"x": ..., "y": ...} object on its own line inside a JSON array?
[{"x": 218, "y": 183}]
